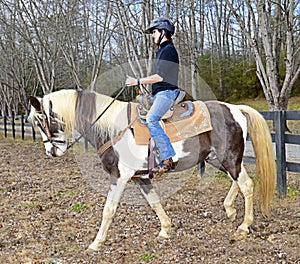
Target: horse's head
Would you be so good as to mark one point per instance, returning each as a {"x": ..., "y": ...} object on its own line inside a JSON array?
[{"x": 49, "y": 125}]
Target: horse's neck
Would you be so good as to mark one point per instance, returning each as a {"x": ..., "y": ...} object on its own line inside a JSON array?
[{"x": 113, "y": 113}]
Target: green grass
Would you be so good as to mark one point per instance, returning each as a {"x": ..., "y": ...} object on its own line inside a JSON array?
[
  {"x": 221, "y": 175},
  {"x": 73, "y": 248},
  {"x": 147, "y": 256},
  {"x": 29, "y": 205},
  {"x": 292, "y": 191},
  {"x": 261, "y": 104},
  {"x": 79, "y": 207}
]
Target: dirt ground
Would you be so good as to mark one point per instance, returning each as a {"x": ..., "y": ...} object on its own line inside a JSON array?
[{"x": 50, "y": 213}]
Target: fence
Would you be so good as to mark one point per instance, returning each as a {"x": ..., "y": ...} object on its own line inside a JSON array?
[{"x": 17, "y": 125}]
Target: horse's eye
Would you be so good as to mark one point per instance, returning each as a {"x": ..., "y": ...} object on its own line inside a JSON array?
[{"x": 41, "y": 116}]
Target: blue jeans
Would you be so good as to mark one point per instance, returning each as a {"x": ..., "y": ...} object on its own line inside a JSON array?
[{"x": 161, "y": 103}]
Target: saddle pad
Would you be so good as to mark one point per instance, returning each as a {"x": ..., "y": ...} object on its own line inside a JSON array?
[{"x": 198, "y": 122}]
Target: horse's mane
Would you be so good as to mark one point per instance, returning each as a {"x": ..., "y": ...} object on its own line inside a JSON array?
[
  {"x": 65, "y": 105},
  {"x": 114, "y": 119}
]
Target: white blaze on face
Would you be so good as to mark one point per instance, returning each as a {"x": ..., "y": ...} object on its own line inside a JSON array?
[
  {"x": 48, "y": 145},
  {"x": 55, "y": 148}
]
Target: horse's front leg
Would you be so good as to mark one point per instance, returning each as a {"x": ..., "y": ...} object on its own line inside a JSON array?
[
  {"x": 152, "y": 198},
  {"x": 112, "y": 201}
]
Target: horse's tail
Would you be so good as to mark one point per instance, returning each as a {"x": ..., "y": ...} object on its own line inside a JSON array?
[{"x": 265, "y": 157}]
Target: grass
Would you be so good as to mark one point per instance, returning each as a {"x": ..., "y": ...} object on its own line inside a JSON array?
[
  {"x": 261, "y": 104},
  {"x": 292, "y": 191},
  {"x": 74, "y": 247},
  {"x": 29, "y": 205},
  {"x": 79, "y": 207},
  {"x": 147, "y": 256}
]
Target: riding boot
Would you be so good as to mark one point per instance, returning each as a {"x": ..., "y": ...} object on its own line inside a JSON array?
[{"x": 166, "y": 165}]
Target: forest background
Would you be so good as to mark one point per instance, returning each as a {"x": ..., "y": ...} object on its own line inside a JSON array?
[{"x": 240, "y": 48}]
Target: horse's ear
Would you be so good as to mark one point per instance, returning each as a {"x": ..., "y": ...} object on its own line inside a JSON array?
[{"x": 35, "y": 103}]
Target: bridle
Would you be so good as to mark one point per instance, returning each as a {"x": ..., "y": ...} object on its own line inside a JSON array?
[{"x": 43, "y": 124}]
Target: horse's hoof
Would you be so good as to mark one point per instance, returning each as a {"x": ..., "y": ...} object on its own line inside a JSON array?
[
  {"x": 163, "y": 234},
  {"x": 232, "y": 217},
  {"x": 93, "y": 247},
  {"x": 241, "y": 233}
]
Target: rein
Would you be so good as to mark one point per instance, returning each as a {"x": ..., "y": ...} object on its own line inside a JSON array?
[{"x": 96, "y": 120}]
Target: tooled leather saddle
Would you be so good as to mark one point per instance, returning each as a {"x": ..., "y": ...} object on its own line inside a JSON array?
[{"x": 183, "y": 120}]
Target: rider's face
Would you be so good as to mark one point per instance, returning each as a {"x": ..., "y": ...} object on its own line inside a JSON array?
[{"x": 155, "y": 35}]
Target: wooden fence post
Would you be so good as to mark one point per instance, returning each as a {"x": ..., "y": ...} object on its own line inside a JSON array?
[
  {"x": 86, "y": 144},
  {"x": 22, "y": 127},
  {"x": 33, "y": 132},
  {"x": 13, "y": 128},
  {"x": 5, "y": 126},
  {"x": 280, "y": 152}
]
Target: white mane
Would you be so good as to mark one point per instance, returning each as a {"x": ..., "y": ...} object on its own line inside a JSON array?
[
  {"x": 115, "y": 118},
  {"x": 63, "y": 104}
]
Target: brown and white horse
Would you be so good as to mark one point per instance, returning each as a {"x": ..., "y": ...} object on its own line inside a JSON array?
[{"x": 60, "y": 113}]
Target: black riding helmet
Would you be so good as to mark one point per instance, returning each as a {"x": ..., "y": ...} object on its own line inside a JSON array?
[{"x": 161, "y": 23}]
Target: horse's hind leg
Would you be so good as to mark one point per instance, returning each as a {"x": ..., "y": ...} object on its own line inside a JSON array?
[
  {"x": 229, "y": 201},
  {"x": 153, "y": 199},
  {"x": 246, "y": 185}
]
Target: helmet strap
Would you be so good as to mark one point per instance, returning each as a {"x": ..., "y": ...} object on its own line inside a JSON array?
[{"x": 162, "y": 34}]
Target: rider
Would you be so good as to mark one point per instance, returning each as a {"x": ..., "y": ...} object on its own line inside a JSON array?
[{"x": 164, "y": 87}]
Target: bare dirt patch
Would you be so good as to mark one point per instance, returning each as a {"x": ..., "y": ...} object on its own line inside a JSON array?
[{"x": 50, "y": 214}]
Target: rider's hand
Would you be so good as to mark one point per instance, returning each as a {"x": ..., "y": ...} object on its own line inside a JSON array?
[{"x": 130, "y": 81}]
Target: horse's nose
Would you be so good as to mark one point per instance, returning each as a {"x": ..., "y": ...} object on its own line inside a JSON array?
[{"x": 51, "y": 152}]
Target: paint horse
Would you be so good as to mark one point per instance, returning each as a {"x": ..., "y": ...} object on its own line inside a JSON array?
[{"x": 60, "y": 113}]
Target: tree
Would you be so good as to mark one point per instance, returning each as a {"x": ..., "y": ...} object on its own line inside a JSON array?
[
  {"x": 49, "y": 45},
  {"x": 17, "y": 78},
  {"x": 274, "y": 24}
]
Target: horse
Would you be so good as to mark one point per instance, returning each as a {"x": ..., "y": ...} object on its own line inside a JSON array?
[{"x": 60, "y": 113}]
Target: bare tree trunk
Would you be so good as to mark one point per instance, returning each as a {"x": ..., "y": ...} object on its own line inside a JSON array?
[
  {"x": 271, "y": 35},
  {"x": 193, "y": 50},
  {"x": 292, "y": 71},
  {"x": 99, "y": 46}
]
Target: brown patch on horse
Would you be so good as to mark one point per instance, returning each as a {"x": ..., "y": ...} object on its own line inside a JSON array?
[
  {"x": 85, "y": 115},
  {"x": 235, "y": 148},
  {"x": 85, "y": 109},
  {"x": 226, "y": 139}
]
